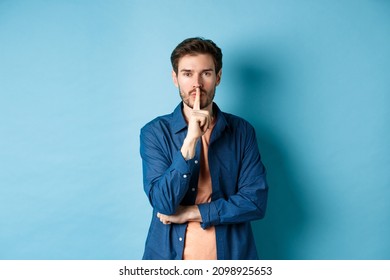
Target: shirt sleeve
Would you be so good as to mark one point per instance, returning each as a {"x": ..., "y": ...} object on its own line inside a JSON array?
[
  {"x": 250, "y": 200},
  {"x": 166, "y": 177}
]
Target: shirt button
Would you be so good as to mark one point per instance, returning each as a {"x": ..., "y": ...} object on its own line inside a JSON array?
[
  {"x": 196, "y": 162},
  {"x": 193, "y": 189},
  {"x": 185, "y": 176},
  {"x": 180, "y": 239}
]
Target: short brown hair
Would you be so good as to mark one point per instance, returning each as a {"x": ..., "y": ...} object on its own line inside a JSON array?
[{"x": 197, "y": 45}]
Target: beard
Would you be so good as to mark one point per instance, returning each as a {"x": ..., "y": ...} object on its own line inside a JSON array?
[{"x": 186, "y": 97}]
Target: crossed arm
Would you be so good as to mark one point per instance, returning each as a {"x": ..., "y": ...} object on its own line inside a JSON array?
[{"x": 184, "y": 214}]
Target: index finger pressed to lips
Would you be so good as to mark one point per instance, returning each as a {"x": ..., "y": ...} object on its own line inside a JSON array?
[{"x": 197, "y": 100}]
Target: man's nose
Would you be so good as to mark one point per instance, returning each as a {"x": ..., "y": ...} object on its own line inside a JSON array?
[{"x": 198, "y": 83}]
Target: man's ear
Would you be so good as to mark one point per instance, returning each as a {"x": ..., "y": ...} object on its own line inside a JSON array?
[
  {"x": 174, "y": 78},
  {"x": 219, "y": 75}
]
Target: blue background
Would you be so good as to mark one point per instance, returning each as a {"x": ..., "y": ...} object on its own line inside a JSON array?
[{"x": 78, "y": 79}]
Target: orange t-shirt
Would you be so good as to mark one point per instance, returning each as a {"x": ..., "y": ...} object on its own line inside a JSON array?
[{"x": 200, "y": 244}]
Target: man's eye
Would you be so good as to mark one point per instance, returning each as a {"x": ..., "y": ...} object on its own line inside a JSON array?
[
  {"x": 207, "y": 74},
  {"x": 187, "y": 74}
]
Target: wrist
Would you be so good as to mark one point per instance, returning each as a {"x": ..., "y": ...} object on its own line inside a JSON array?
[
  {"x": 188, "y": 148},
  {"x": 190, "y": 142},
  {"x": 194, "y": 214}
]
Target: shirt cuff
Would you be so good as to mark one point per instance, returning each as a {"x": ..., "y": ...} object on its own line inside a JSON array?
[
  {"x": 181, "y": 165},
  {"x": 209, "y": 215}
]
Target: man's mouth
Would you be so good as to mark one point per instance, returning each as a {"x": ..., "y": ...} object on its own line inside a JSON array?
[{"x": 193, "y": 93}]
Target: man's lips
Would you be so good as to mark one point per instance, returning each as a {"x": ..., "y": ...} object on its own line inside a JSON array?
[
  {"x": 193, "y": 96},
  {"x": 194, "y": 93}
]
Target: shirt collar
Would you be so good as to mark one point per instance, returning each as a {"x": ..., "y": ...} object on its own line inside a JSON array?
[{"x": 179, "y": 123}]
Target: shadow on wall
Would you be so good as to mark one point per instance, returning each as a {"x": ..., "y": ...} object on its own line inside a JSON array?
[{"x": 262, "y": 84}]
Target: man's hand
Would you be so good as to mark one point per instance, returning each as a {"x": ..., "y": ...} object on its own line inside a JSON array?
[
  {"x": 183, "y": 214},
  {"x": 199, "y": 120},
  {"x": 198, "y": 123}
]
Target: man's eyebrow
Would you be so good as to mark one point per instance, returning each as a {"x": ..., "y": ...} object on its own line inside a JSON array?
[{"x": 204, "y": 70}]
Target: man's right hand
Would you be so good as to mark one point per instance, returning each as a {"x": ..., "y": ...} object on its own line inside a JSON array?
[
  {"x": 198, "y": 123},
  {"x": 199, "y": 120}
]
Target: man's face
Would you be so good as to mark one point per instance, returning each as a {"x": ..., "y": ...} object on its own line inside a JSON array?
[{"x": 196, "y": 71}]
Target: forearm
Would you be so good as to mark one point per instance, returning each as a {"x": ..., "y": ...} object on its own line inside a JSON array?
[
  {"x": 193, "y": 214},
  {"x": 189, "y": 148},
  {"x": 184, "y": 214},
  {"x": 166, "y": 191},
  {"x": 246, "y": 205}
]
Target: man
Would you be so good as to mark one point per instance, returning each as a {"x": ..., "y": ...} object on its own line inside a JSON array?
[{"x": 201, "y": 168}]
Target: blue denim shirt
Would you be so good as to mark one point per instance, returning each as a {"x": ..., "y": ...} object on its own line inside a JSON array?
[{"x": 239, "y": 187}]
